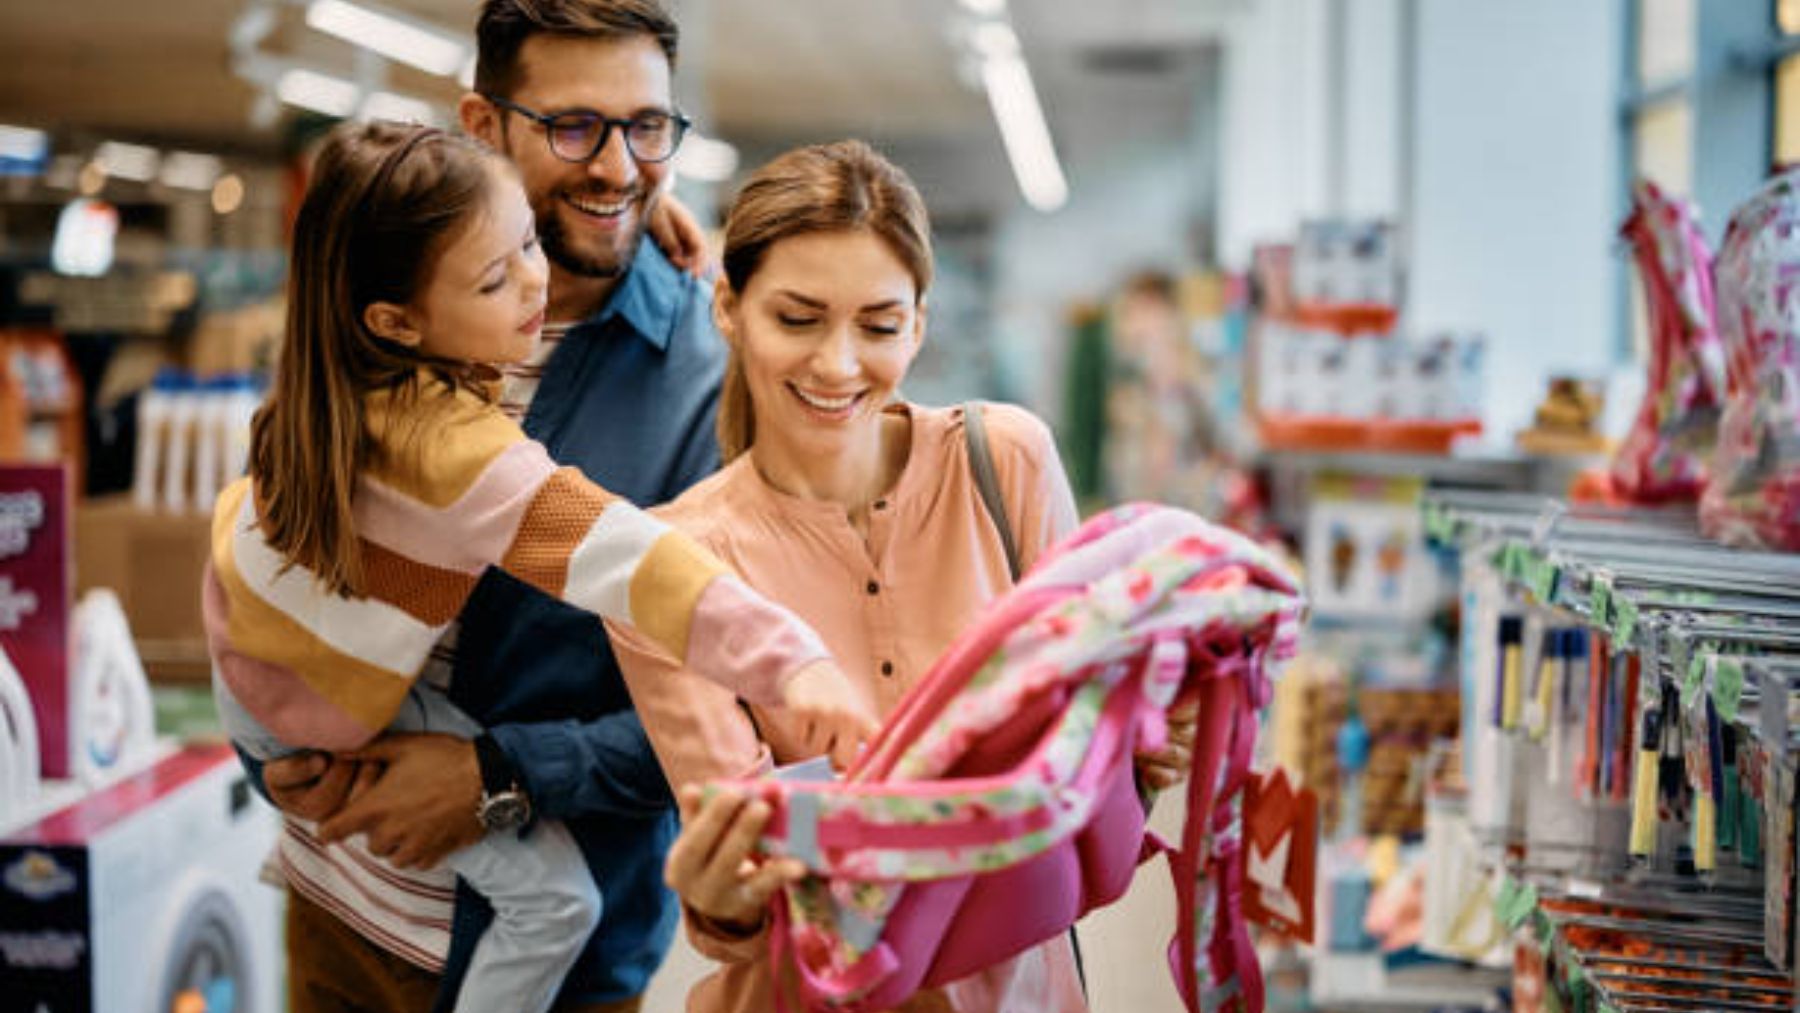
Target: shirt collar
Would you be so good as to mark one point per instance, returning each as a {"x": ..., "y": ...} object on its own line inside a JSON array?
[{"x": 649, "y": 297}]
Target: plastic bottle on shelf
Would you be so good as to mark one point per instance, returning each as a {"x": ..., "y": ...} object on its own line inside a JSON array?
[
  {"x": 209, "y": 437},
  {"x": 152, "y": 422},
  {"x": 1351, "y": 886},
  {"x": 178, "y": 443},
  {"x": 242, "y": 400}
]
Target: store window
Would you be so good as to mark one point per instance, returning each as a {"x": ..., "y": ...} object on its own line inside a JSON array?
[
  {"x": 1787, "y": 84},
  {"x": 1665, "y": 42},
  {"x": 1664, "y": 56},
  {"x": 1787, "y": 16},
  {"x": 1787, "y": 103}
]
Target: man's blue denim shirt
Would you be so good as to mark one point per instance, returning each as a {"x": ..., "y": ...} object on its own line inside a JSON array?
[{"x": 629, "y": 397}]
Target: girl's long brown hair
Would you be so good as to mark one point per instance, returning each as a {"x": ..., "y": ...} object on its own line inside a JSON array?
[
  {"x": 383, "y": 203},
  {"x": 840, "y": 187}
]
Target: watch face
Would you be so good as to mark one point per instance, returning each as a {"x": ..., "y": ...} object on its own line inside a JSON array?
[{"x": 505, "y": 811}]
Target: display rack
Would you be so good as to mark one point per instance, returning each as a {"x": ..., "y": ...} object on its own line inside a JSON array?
[{"x": 1687, "y": 903}]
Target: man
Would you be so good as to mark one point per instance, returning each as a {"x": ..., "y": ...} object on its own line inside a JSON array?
[{"x": 577, "y": 94}]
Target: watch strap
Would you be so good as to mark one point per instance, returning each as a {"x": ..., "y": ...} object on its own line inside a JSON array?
[{"x": 497, "y": 772}]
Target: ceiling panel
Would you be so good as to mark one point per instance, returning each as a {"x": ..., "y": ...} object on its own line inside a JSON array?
[{"x": 160, "y": 70}]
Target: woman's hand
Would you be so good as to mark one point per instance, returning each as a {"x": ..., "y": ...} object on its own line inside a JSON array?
[
  {"x": 835, "y": 719},
  {"x": 1168, "y": 766},
  {"x": 711, "y": 864}
]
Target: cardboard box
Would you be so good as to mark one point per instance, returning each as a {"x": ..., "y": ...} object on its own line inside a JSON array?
[{"x": 153, "y": 562}]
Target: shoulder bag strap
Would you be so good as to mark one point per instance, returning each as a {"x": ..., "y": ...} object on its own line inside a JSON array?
[{"x": 987, "y": 481}]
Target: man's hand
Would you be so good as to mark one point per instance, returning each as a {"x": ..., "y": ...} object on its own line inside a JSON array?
[
  {"x": 421, "y": 807},
  {"x": 311, "y": 785},
  {"x": 679, "y": 235},
  {"x": 1169, "y": 766},
  {"x": 835, "y": 720}
]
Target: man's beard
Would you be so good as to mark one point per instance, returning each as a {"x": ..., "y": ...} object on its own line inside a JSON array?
[{"x": 559, "y": 252}]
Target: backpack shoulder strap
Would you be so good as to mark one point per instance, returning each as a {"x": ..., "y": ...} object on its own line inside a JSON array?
[{"x": 987, "y": 480}]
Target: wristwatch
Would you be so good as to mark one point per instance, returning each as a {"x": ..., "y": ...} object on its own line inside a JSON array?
[{"x": 504, "y": 804}]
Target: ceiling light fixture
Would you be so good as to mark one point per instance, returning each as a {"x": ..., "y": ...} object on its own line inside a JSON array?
[
  {"x": 984, "y": 8},
  {"x": 228, "y": 193},
  {"x": 23, "y": 144},
  {"x": 128, "y": 161},
  {"x": 392, "y": 35},
  {"x": 187, "y": 170},
  {"x": 385, "y": 105},
  {"x": 321, "y": 93},
  {"x": 1023, "y": 129},
  {"x": 705, "y": 159}
]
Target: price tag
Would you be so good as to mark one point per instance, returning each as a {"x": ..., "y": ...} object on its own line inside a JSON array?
[
  {"x": 1728, "y": 687},
  {"x": 1624, "y": 622},
  {"x": 1600, "y": 600}
]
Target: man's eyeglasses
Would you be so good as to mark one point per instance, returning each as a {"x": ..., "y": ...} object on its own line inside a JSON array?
[{"x": 579, "y": 136}]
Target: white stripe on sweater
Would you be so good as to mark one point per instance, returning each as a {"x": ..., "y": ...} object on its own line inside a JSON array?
[
  {"x": 601, "y": 567},
  {"x": 366, "y": 629}
]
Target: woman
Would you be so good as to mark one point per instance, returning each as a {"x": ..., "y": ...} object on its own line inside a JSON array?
[{"x": 854, "y": 509}]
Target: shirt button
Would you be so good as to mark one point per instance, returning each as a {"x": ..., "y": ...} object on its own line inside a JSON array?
[
  {"x": 887, "y": 668},
  {"x": 874, "y": 588}
]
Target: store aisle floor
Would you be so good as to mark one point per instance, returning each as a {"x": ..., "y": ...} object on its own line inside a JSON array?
[{"x": 1123, "y": 945}]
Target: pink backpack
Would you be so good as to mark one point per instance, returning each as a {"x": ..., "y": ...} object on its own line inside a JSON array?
[
  {"x": 1662, "y": 457},
  {"x": 1753, "y": 497},
  {"x": 998, "y": 805}
]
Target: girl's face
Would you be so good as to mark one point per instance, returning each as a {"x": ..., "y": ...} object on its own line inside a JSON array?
[
  {"x": 484, "y": 299},
  {"x": 826, "y": 329}
]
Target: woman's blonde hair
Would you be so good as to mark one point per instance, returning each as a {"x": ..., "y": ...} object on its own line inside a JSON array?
[
  {"x": 841, "y": 187},
  {"x": 384, "y": 202}
]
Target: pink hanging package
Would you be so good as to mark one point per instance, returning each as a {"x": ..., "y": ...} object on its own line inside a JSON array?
[
  {"x": 1663, "y": 456},
  {"x": 1752, "y": 496}
]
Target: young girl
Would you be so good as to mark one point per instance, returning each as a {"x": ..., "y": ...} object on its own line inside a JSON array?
[{"x": 384, "y": 480}]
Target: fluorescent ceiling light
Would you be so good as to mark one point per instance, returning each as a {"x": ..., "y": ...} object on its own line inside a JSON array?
[
  {"x": 23, "y": 144},
  {"x": 1024, "y": 132},
  {"x": 188, "y": 170},
  {"x": 391, "y": 35},
  {"x": 321, "y": 93},
  {"x": 385, "y": 105},
  {"x": 705, "y": 159},
  {"x": 128, "y": 161},
  {"x": 984, "y": 8},
  {"x": 994, "y": 40}
]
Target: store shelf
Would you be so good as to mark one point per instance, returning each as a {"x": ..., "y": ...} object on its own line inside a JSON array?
[
  {"x": 1329, "y": 434},
  {"x": 1495, "y": 470},
  {"x": 1361, "y": 981},
  {"x": 1709, "y": 639}
]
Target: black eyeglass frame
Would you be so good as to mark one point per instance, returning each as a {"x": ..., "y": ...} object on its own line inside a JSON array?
[{"x": 548, "y": 121}]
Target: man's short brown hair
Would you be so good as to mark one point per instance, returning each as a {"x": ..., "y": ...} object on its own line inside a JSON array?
[{"x": 506, "y": 24}]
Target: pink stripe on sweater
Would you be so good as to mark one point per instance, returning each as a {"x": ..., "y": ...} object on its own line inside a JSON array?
[
  {"x": 272, "y": 695},
  {"x": 740, "y": 639},
  {"x": 469, "y": 534}
]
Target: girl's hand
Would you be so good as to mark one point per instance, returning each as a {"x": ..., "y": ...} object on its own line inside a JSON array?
[
  {"x": 835, "y": 719},
  {"x": 1168, "y": 766},
  {"x": 711, "y": 864},
  {"x": 312, "y": 785},
  {"x": 679, "y": 236}
]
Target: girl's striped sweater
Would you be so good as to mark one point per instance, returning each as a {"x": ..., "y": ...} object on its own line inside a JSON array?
[{"x": 439, "y": 505}]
